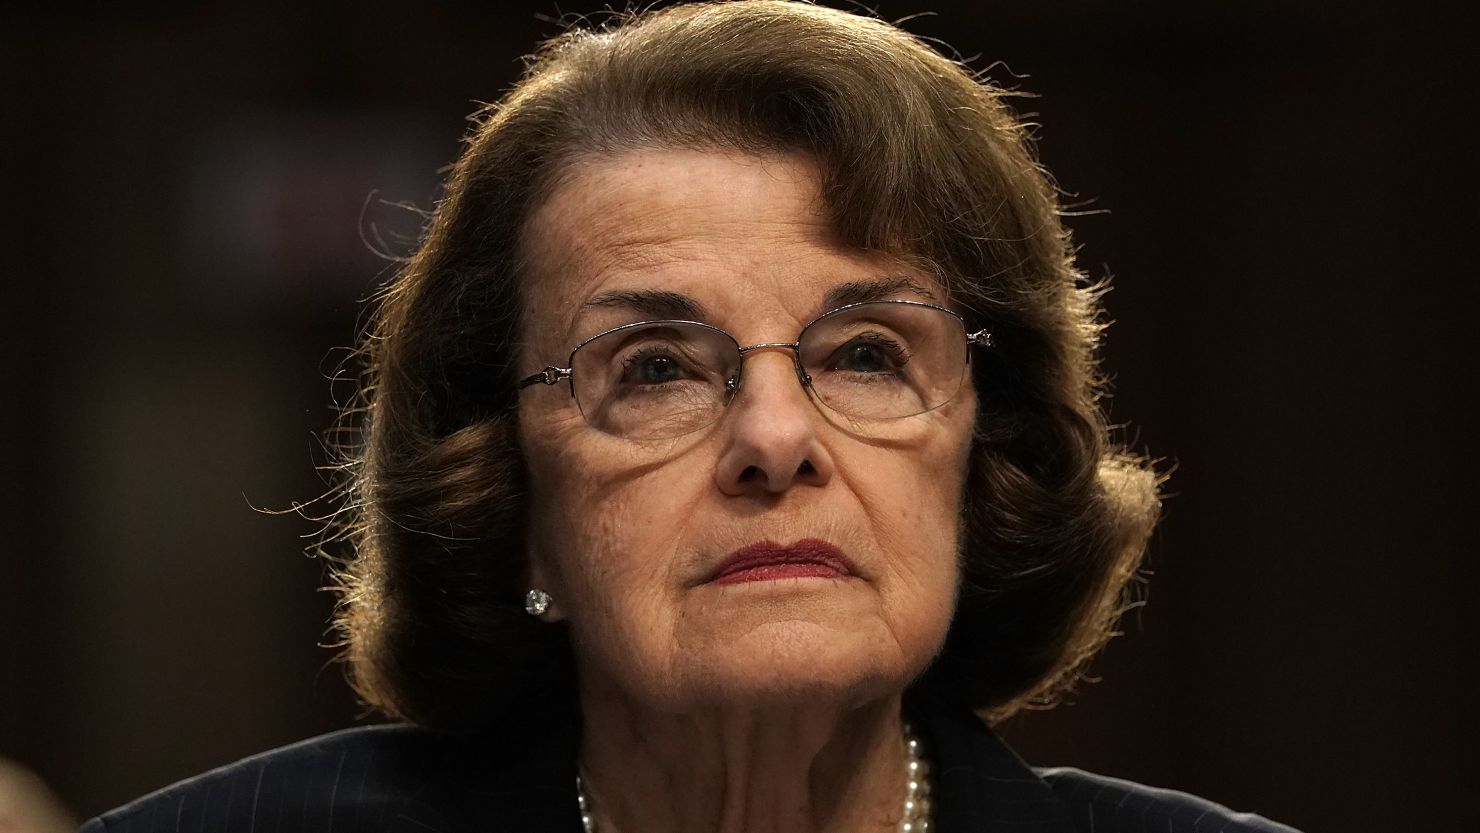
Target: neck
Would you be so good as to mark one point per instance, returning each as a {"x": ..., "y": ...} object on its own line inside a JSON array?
[{"x": 801, "y": 768}]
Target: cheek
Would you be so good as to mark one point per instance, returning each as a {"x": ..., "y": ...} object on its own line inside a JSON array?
[
  {"x": 920, "y": 529},
  {"x": 914, "y": 500},
  {"x": 616, "y": 548},
  {"x": 918, "y": 489},
  {"x": 606, "y": 527}
]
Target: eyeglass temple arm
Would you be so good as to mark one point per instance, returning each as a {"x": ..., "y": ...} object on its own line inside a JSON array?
[{"x": 550, "y": 375}]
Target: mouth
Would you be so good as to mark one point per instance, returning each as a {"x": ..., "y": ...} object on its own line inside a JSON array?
[{"x": 770, "y": 561}]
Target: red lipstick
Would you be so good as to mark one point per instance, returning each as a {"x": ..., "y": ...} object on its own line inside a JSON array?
[{"x": 768, "y": 561}]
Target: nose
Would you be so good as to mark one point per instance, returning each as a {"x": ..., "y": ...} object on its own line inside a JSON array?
[{"x": 771, "y": 441}]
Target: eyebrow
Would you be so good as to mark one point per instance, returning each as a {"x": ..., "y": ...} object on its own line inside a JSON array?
[
  {"x": 858, "y": 292},
  {"x": 655, "y": 303},
  {"x": 662, "y": 303}
]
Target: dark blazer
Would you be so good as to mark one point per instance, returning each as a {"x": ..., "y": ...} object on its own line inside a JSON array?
[{"x": 521, "y": 779}]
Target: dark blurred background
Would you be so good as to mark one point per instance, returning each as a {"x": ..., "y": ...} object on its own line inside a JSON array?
[{"x": 1275, "y": 188}]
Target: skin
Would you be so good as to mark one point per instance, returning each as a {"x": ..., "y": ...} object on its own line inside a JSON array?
[{"x": 760, "y": 706}]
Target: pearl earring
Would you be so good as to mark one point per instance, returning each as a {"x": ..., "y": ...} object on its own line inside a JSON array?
[{"x": 536, "y": 602}]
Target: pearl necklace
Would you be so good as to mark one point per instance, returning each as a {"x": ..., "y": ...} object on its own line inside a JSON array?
[{"x": 914, "y": 818}]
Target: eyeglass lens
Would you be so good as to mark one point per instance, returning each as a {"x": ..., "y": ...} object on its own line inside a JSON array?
[{"x": 870, "y": 361}]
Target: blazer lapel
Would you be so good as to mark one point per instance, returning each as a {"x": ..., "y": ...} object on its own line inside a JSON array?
[
  {"x": 980, "y": 785},
  {"x": 510, "y": 779}
]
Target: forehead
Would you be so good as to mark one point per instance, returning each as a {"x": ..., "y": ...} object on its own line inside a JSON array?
[{"x": 746, "y": 237}]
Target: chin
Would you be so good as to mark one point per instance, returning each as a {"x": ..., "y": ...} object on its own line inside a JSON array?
[{"x": 795, "y": 663}]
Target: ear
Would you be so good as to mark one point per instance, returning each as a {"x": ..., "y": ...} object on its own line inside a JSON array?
[{"x": 541, "y": 578}]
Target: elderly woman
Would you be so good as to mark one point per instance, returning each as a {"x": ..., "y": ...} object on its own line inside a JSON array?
[{"x": 731, "y": 460}]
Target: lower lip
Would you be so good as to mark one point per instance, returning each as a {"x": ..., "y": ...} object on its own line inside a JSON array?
[{"x": 773, "y": 572}]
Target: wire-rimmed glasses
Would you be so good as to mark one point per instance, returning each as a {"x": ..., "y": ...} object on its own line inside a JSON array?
[{"x": 877, "y": 360}]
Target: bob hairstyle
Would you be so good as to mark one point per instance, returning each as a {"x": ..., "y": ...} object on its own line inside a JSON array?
[{"x": 918, "y": 159}]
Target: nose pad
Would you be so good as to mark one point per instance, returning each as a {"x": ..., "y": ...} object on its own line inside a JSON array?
[{"x": 772, "y": 443}]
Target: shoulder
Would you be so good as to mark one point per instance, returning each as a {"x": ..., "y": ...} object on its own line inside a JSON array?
[
  {"x": 363, "y": 778},
  {"x": 1105, "y": 804}
]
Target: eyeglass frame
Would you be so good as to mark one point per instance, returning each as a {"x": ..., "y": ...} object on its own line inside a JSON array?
[{"x": 551, "y": 374}]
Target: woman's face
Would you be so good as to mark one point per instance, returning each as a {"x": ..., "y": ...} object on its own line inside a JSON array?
[{"x": 627, "y": 535}]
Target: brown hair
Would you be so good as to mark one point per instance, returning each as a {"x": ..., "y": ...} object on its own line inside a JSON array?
[{"x": 918, "y": 159}]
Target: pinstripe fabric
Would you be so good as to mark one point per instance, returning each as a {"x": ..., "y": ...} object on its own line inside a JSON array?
[
  {"x": 378, "y": 779},
  {"x": 400, "y": 779},
  {"x": 1103, "y": 803}
]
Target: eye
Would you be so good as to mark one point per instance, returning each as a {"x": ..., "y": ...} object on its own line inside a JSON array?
[
  {"x": 869, "y": 354},
  {"x": 651, "y": 366}
]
